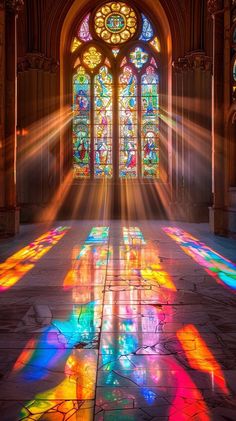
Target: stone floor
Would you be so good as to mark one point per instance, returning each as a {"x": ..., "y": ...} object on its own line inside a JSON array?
[{"x": 115, "y": 322}]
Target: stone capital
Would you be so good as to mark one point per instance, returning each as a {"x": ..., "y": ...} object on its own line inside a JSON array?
[
  {"x": 192, "y": 61},
  {"x": 215, "y": 6},
  {"x": 14, "y": 6},
  {"x": 37, "y": 61}
]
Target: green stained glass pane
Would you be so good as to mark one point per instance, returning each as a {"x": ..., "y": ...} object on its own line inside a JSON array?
[{"x": 138, "y": 57}]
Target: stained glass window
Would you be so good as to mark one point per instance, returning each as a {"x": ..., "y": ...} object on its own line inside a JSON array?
[
  {"x": 155, "y": 43},
  {"x": 234, "y": 70},
  {"x": 147, "y": 30},
  {"x": 75, "y": 44},
  {"x": 115, "y": 51},
  {"x": 128, "y": 124},
  {"x": 81, "y": 123},
  {"x": 103, "y": 123},
  {"x": 138, "y": 57},
  {"x": 84, "y": 32},
  {"x": 150, "y": 124},
  {"x": 92, "y": 58},
  {"x": 132, "y": 103},
  {"x": 115, "y": 23}
]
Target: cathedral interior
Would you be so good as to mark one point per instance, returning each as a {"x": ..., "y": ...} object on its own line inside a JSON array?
[{"x": 118, "y": 210}]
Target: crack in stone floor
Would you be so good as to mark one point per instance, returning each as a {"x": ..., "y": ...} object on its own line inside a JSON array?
[{"x": 115, "y": 322}]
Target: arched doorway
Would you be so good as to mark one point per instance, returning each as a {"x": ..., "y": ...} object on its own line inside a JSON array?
[{"x": 116, "y": 76}]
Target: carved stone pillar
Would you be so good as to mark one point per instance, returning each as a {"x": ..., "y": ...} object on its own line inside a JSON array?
[
  {"x": 217, "y": 212},
  {"x": 192, "y": 74},
  {"x": 9, "y": 213}
]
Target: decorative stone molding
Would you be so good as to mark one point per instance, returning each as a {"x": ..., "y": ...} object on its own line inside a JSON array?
[
  {"x": 215, "y": 6},
  {"x": 37, "y": 61},
  {"x": 193, "y": 61},
  {"x": 14, "y": 6}
]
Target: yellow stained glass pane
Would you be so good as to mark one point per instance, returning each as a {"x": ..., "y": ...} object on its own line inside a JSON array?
[
  {"x": 76, "y": 43},
  {"x": 116, "y": 23},
  {"x": 92, "y": 57},
  {"x": 156, "y": 44},
  {"x": 77, "y": 63}
]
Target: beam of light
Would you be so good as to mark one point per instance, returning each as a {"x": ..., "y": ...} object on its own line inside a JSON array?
[
  {"x": 98, "y": 200},
  {"x": 42, "y": 133},
  {"x": 133, "y": 236},
  {"x": 222, "y": 269},
  {"x": 200, "y": 357},
  {"x": 20, "y": 263},
  {"x": 50, "y": 213}
]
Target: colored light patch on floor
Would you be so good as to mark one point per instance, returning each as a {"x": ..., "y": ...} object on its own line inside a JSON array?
[
  {"x": 133, "y": 236},
  {"x": 144, "y": 262},
  {"x": 20, "y": 263},
  {"x": 201, "y": 358},
  {"x": 78, "y": 385},
  {"x": 57, "y": 410},
  {"x": 98, "y": 235},
  {"x": 222, "y": 269}
]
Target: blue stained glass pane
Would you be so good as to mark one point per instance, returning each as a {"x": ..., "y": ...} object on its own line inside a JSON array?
[{"x": 147, "y": 31}]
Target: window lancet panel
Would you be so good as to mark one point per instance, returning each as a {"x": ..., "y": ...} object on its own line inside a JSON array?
[
  {"x": 81, "y": 123},
  {"x": 128, "y": 116},
  {"x": 150, "y": 123},
  {"x": 103, "y": 123}
]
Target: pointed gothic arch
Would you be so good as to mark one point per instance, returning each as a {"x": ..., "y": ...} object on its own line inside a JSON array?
[{"x": 68, "y": 60}]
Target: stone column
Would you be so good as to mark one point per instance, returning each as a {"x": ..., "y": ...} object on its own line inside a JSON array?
[
  {"x": 217, "y": 212},
  {"x": 193, "y": 155},
  {"x": 9, "y": 214}
]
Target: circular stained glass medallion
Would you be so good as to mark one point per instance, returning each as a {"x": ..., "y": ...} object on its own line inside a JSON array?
[{"x": 115, "y": 23}]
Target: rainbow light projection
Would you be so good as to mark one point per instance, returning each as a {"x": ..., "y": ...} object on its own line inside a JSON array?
[
  {"x": 98, "y": 235},
  {"x": 129, "y": 341},
  {"x": 69, "y": 343},
  {"x": 127, "y": 354},
  {"x": 16, "y": 266},
  {"x": 133, "y": 236},
  {"x": 199, "y": 356},
  {"x": 222, "y": 269}
]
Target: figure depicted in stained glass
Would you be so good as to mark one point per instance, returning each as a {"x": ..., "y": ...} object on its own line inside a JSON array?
[
  {"x": 103, "y": 123},
  {"x": 81, "y": 124},
  {"x": 150, "y": 124},
  {"x": 128, "y": 123},
  {"x": 116, "y": 23},
  {"x": 150, "y": 149}
]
